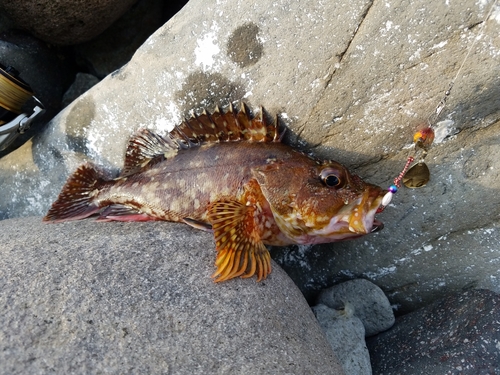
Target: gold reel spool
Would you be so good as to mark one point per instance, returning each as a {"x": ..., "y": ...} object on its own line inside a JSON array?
[{"x": 14, "y": 93}]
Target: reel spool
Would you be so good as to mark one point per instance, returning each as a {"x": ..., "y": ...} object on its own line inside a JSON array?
[{"x": 14, "y": 94}]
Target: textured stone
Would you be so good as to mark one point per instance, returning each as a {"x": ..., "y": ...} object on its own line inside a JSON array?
[
  {"x": 5, "y": 23},
  {"x": 459, "y": 334},
  {"x": 114, "y": 47},
  {"x": 352, "y": 80},
  {"x": 65, "y": 22},
  {"x": 366, "y": 300},
  {"x": 346, "y": 335},
  {"x": 443, "y": 237},
  {"x": 83, "y": 82},
  {"x": 87, "y": 297}
]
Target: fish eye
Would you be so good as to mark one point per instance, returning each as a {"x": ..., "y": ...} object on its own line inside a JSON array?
[
  {"x": 332, "y": 180},
  {"x": 331, "y": 177}
]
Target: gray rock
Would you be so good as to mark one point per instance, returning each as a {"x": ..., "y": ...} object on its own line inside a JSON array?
[
  {"x": 65, "y": 22},
  {"x": 5, "y": 23},
  {"x": 114, "y": 47},
  {"x": 87, "y": 297},
  {"x": 368, "y": 303},
  {"x": 346, "y": 335},
  {"x": 444, "y": 237},
  {"x": 352, "y": 80},
  {"x": 459, "y": 334},
  {"x": 83, "y": 82}
]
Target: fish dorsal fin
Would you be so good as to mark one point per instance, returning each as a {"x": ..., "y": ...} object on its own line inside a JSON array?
[
  {"x": 147, "y": 148},
  {"x": 240, "y": 251},
  {"x": 231, "y": 125}
]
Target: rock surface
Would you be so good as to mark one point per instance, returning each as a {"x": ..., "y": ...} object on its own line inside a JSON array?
[
  {"x": 352, "y": 81},
  {"x": 88, "y": 297},
  {"x": 346, "y": 335},
  {"x": 366, "y": 301},
  {"x": 117, "y": 44},
  {"x": 65, "y": 22},
  {"x": 82, "y": 83},
  {"x": 457, "y": 335}
]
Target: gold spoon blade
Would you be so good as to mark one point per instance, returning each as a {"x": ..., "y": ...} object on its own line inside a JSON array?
[{"x": 417, "y": 176}]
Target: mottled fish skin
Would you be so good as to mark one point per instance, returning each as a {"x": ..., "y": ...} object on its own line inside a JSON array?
[
  {"x": 185, "y": 185},
  {"x": 228, "y": 172}
]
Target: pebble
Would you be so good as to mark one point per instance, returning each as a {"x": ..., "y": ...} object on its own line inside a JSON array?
[
  {"x": 368, "y": 302},
  {"x": 346, "y": 334}
]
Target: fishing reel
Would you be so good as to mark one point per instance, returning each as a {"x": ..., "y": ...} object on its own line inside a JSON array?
[{"x": 18, "y": 106}]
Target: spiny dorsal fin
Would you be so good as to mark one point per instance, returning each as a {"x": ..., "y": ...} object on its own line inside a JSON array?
[
  {"x": 147, "y": 148},
  {"x": 232, "y": 125}
]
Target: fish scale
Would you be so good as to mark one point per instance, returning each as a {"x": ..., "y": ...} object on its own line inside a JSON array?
[
  {"x": 209, "y": 173},
  {"x": 227, "y": 172}
]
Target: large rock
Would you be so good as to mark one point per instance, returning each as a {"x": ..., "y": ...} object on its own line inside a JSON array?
[
  {"x": 114, "y": 47},
  {"x": 352, "y": 80},
  {"x": 82, "y": 83},
  {"x": 459, "y": 334},
  {"x": 65, "y": 22},
  {"x": 87, "y": 297}
]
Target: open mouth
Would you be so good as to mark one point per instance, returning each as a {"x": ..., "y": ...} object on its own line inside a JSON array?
[
  {"x": 377, "y": 226},
  {"x": 354, "y": 219},
  {"x": 361, "y": 218}
]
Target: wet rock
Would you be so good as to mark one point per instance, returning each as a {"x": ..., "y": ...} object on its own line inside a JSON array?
[
  {"x": 353, "y": 81},
  {"x": 88, "y": 297},
  {"x": 346, "y": 334},
  {"x": 65, "y": 22},
  {"x": 459, "y": 334},
  {"x": 366, "y": 300}
]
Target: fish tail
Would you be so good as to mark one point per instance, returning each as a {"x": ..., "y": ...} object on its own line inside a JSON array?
[{"x": 76, "y": 200}]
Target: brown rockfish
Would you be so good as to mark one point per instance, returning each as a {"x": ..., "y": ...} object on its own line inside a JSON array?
[{"x": 229, "y": 173}]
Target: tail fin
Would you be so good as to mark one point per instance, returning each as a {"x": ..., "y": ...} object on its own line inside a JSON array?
[{"x": 75, "y": 200}]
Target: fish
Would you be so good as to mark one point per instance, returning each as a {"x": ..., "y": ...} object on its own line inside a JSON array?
[{"x": 227, "y": 172}]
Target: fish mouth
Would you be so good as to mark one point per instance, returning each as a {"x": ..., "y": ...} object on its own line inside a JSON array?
[
  {"x": 360, "y": 214},
  {"x": 355, "y": 219},
  {"x": 377, "y": 226}
]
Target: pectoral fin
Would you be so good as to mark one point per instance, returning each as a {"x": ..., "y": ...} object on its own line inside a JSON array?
[{"x": 240, "y": 251}]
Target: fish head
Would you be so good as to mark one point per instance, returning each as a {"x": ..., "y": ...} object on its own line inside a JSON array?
[{"x": 319, "y": 202}]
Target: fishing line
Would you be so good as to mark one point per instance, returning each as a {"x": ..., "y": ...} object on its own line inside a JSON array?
[
  {"x": 418, "y": 175},
  {"x": 442, "y": 103}
]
